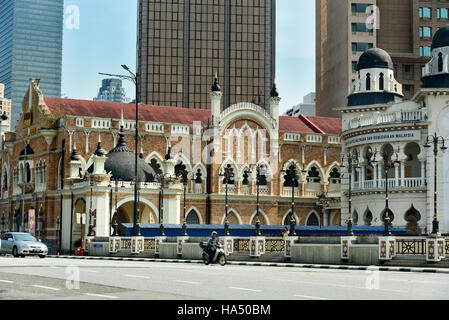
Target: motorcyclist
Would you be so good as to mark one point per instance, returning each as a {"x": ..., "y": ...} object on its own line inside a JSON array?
[{"x": 212, "y": 244}]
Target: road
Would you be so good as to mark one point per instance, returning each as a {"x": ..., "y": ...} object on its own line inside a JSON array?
[{"x": 34, "y": 278}]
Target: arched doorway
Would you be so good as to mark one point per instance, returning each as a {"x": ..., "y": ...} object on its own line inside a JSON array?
[
  {"x": 192, "y": 217},
  {"x": 313, "y": 220},
  {"x": 79, "y": 208},
  {"x": 125, "y": 214}
]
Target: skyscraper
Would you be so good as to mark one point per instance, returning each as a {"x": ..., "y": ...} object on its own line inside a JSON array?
[
  {"x": 183, "y": 43},
  {"x": 112, "y": 90},
  {"x": 406, "y": 28},
  {"x": 30, "y": 47}
]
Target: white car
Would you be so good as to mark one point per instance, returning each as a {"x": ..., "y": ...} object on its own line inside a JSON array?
[{"x": 21, "y": 244}]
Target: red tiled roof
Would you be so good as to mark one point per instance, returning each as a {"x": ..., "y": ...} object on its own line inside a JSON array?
[
  {"x": 327, "y": 125},
  {"x": 112, "y": 110}
]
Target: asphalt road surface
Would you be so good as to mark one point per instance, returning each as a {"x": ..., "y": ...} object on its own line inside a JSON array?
[{"x": 40, "y": 279}]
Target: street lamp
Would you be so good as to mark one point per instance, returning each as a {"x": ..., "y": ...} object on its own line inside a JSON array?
[
  {"x": 91, "y": 229},
  {"x": 115, "y": 228},
  {"x": 291, "y": 172},
  {"x": 185, "y": 179},
  {"x": 260, "y": 172},
  {"x": 388, "y": 163},
  {"x": 436, "y": 140},
  {"x": 353, "y": 163},
  {"x": 135, "y": 79},
  {"x": 164, "y": 180},
  {"x": 227, "y": 176}
]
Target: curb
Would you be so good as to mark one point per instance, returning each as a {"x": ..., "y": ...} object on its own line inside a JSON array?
[{"x": 267, "y": 264}]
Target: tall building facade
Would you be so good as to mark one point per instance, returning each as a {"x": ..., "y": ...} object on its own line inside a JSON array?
[
  {"x": 184, "y": 43},
  {"x": 5, "y": 108},
  {"x": 30, "y": 47},
  {"x": 406, "y": 28},
  {"x": 112, "y": 90}
]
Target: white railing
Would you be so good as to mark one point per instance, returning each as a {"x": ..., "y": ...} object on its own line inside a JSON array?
[
  {"x": 288, "y": 192},
  {"x": 409, "y": 183},
  {"x": 387, "y": 117},
  {"x": 312, "y": 194}
]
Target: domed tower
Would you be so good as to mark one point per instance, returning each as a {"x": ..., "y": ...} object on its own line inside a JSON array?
[
  {"x": 436, "y": 72},
  {"x": 375, "y": 83}
]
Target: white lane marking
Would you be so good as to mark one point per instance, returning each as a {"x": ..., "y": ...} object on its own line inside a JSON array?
[
  {"x": 44, "y": 287},
  {"x": 245, "y": 289},
  {"x": 187, "y": 282},
  {"x": 310, "y": 297},
  {"x": 91, "y": 271},
  {"x": 134, "y": 276},
  {"x": 100, "y": 296},
  {"x": 6, "y": 281}
]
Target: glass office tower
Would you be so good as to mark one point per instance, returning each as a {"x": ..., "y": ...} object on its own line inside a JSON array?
[
  {"x": 183, "y": 43},
  {"x": 30, "y": 47}
]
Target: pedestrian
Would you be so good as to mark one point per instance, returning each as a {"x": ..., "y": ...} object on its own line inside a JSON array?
[{"x": 285, "y": 233}]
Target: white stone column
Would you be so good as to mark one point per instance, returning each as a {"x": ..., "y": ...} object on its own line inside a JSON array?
[
  {"x": 396, "y": 174},
  {"x": 362, "y": 176},
  {"x": 403, "y": 173},
  {"x": 423, "y": 171},
  {"x": 375, "y": 175}
]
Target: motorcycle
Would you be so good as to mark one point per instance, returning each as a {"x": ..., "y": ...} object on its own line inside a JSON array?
[{"x": 219, "y": 258}]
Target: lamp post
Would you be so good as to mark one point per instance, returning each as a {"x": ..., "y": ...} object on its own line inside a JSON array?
[
  {"x": 3, "y": 223},
  {"x": 386, "y": 157},
  {"x": 291, "y": 172},
  {"x": 353, "y": 163},
  {"x": 164, "y": 180},
  {"x": 135, "y": 79},
  {"x": 260, "y": 170},
  {"x": 185, "y": 180},
  {"x": 436, "y": 141},
  {"x": 91, "y": 229},
  {"x": 227, "y": 174},
  {"x": 114, "y": 215}
]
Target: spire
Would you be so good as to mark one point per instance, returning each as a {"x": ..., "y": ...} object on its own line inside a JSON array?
[
  {"x": 216, "y": 87},
  {"x": 274, "y": 92},
  {"x": 75, "y": 156},
  {"x": 99, "y": 152}
]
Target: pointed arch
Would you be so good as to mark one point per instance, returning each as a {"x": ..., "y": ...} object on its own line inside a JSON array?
[
  {"x": 263, "y": 215},
  {"x": 287, "y": 215},
  {"x": 180, "y": 157},
  {"x": 316, "y": 164},
  {"x": 368, "y": 217},
  {"x": 232, "y": 213},
  {"x": 313, "y": 219},
  {"x": 194, "y": 210},
  {"x": 156, "y": 161}
]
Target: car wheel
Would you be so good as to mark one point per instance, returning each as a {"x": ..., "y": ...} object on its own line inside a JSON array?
[
  {"x": 15, "y": 252},
  {"x": 42, "y": 257}
]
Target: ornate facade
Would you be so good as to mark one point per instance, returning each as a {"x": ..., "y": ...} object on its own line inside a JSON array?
[{"x": 69, "y": 157}]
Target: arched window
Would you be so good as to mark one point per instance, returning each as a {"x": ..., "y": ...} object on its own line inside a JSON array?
[
  {"x": 198, "y": 177},
  {"x": 192, "y": 218},
  {"x": 180, "y": 171},
  {"x": 314, "y": 175},
  {"x": 245, "y": 181},
  {"x": 287, "y": 219},
  {"x": 313, "y": 220},
  {"x": 28, "y": 172},
  {"x": 291, "y": 176},
  {"x": 368, "y": 217},
  {"x": 368, "y": 82},
  {"x": 156, "y": 166},
  {"x": 381, "y": 81},
  {"x": 335, "y": 176},
  {"x": 440, "y": 62}
]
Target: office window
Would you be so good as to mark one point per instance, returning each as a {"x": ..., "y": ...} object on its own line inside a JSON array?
[
  {"x": 361, "y": 46},
  {"x": 425, "y": 32},
  {"x": 443, "y": 13},
  {"x": 425, "y": 13},
  {"x": 425, "y": 51}
]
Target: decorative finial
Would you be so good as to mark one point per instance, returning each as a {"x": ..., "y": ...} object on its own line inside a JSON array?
[
  {"x": 274, "y": 92},
  {"x": 99, "y": 152},
  {"x": 75, "y": 156},
  {"x": 216, "y": 87}
]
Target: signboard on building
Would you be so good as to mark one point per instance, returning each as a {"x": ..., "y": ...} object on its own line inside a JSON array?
[{"x": 383, "y": 137}]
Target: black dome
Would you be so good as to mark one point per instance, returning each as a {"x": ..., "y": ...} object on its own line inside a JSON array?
[
  {"x": 375, "y": 58},
  {"x": 121, "y": 164},
  {"x": 441, "y": 38}
]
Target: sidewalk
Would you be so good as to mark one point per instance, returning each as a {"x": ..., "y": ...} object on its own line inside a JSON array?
[{"x": 267, "y": 264}]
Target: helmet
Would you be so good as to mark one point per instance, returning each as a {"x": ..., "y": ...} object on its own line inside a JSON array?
[{"x": 214, "y": 232}]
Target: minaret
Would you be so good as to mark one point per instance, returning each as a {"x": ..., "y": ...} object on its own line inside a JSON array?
[{"x": 215, "y": 97}]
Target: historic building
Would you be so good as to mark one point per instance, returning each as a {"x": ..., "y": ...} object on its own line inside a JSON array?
[
  {"x": 388, "y": 140},
  {"x": 69, "y": 157}
]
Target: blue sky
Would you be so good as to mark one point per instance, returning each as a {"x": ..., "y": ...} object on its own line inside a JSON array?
[{"x": 106, "y": 38}]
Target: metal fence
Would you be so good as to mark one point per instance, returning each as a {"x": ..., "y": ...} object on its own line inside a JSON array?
[{"x": 412, "y": 247}]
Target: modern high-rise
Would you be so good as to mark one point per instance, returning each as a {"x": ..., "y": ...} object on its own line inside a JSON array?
[
  {"x": 5, "y": 108},
  {"x": 112, "y": 90},
  {"x": 184, "y": 43},
  {"x": 406, "y": 28},
  {"x": 30, "y": 47}
]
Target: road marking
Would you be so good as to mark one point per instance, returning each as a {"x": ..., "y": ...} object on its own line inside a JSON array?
[
  {"x": 6, "y": 281},
  {"x": 245, "y": 289},
  {"x": 310, "y": 297},
  {"x": 134, "y": 276},
  {"x": 44, "y": 287},
  {"x": 100, "y": 296},
  {"x": 188, "y": 282}
]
